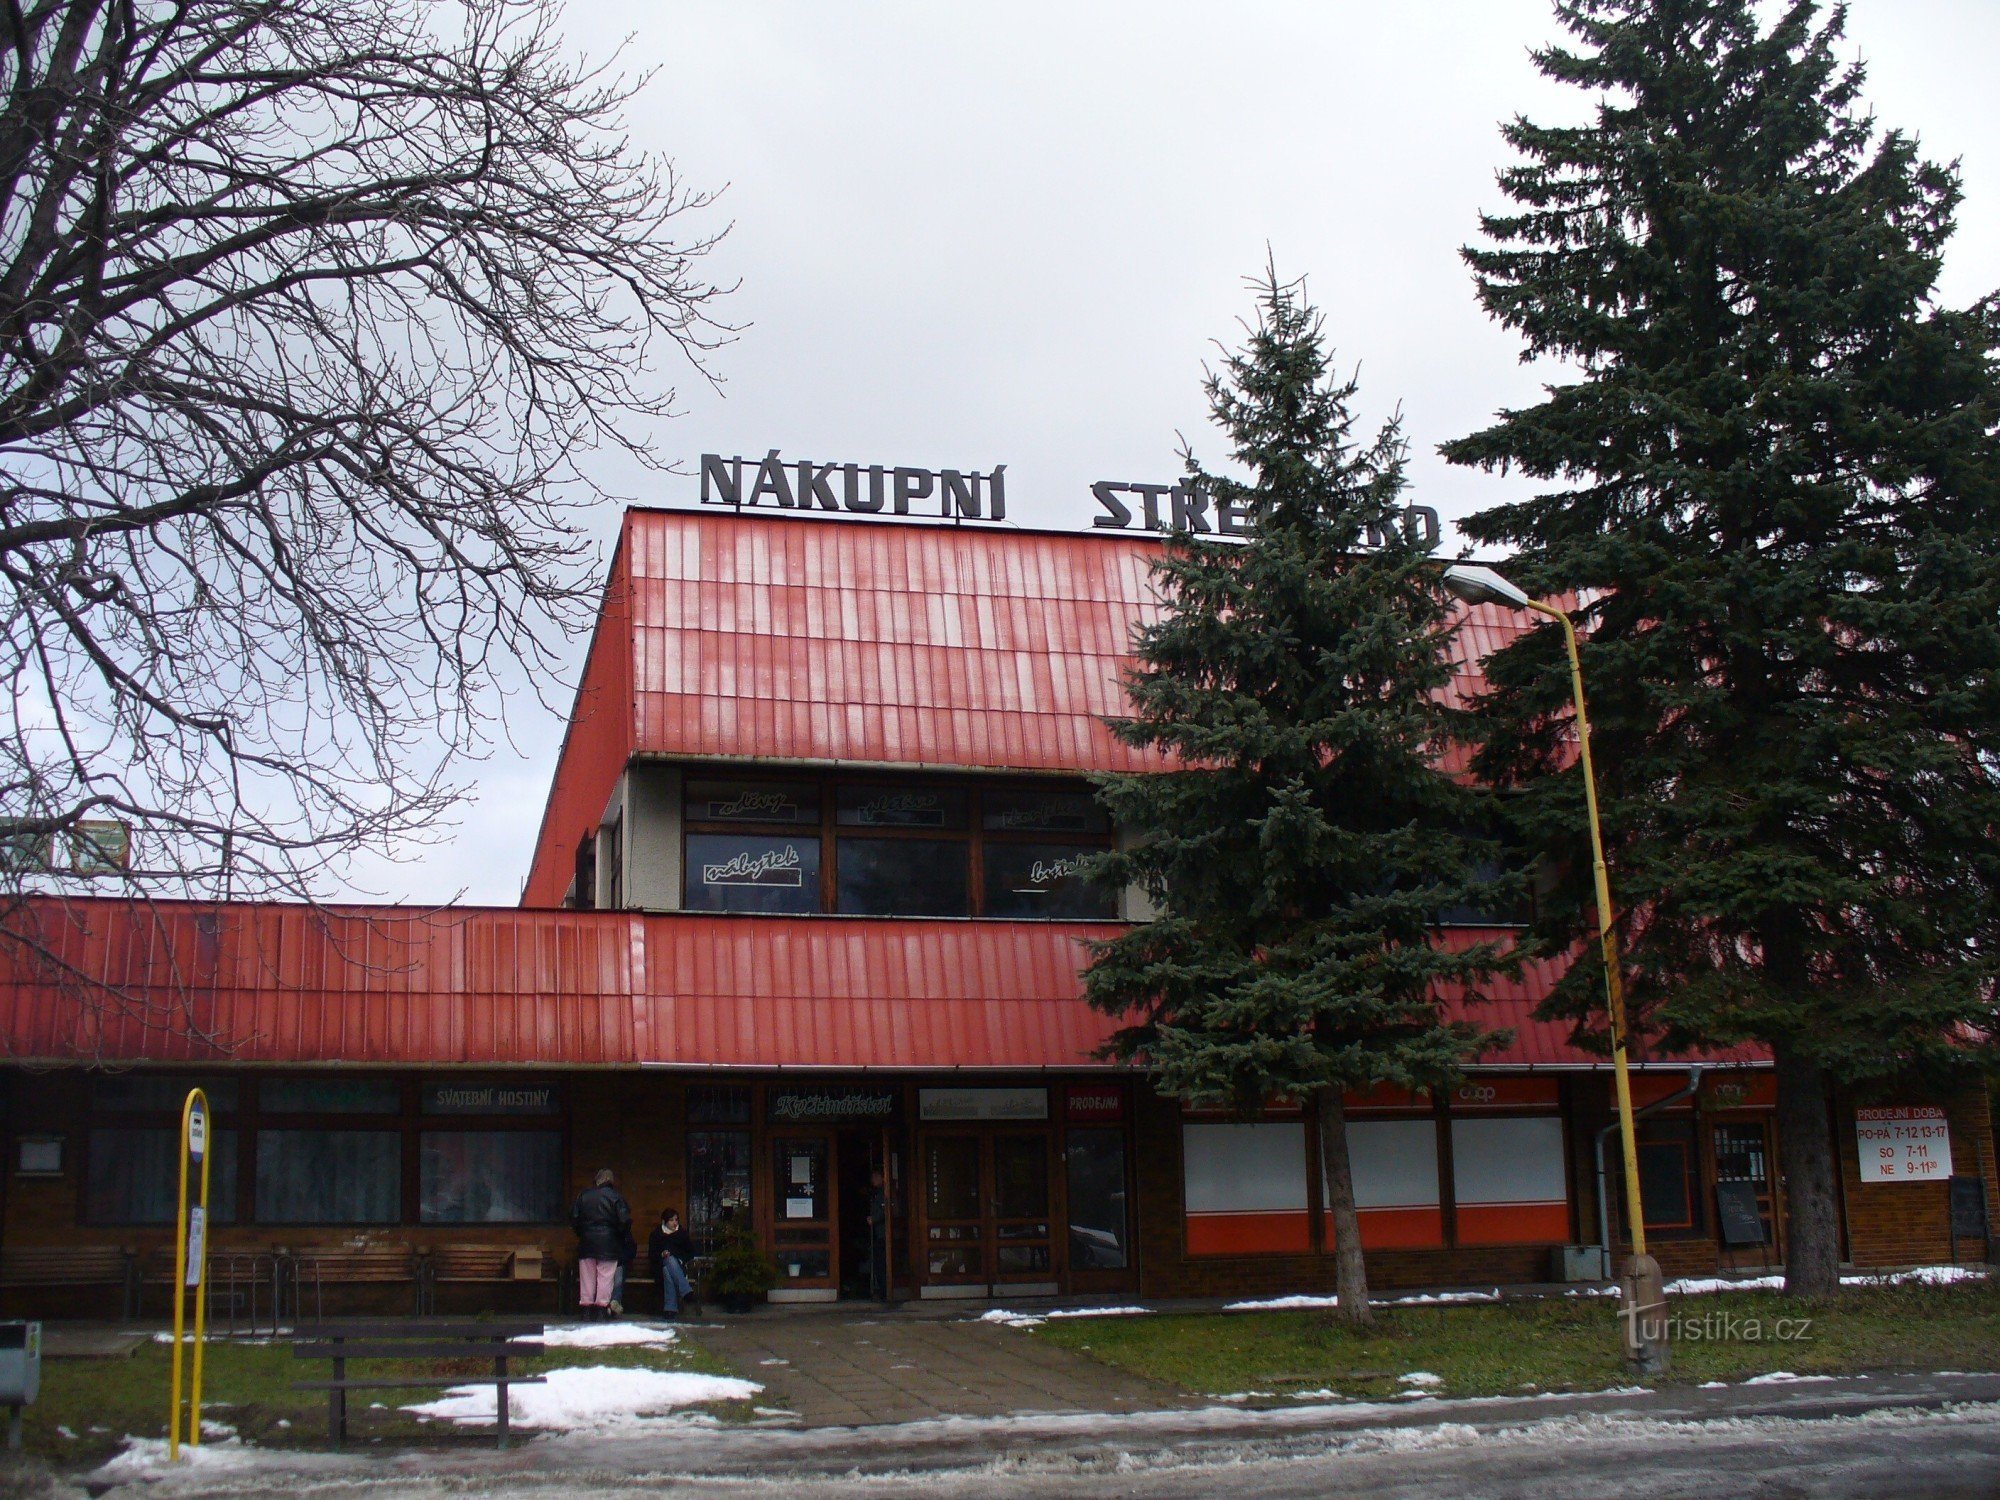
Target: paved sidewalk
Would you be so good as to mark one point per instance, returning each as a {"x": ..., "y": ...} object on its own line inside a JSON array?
[{"x": 856, "y": 1368}]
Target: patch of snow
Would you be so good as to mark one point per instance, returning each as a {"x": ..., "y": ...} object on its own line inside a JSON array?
[
  {"x": 146, "y": 1458},
  {"x": 1784, "y": 1377},
  {"x": 67, "y": 1434},
  {"x": 774, "y": 1361},
  {"x": 1097, "y": 1312},
  {"x": 1423, "y": 1378},
  {"x": 590, "y": 1398},
  {"x": 1281, "y": 1304},
  {"x": 772, "y": 1411},
  {"x": 606, "y": 1336},
  {"x": 1694, "y": 1286},
  {"x": 1012, "y": 1319},
  {"x": 1427, "y": 1299},
  {"x": 1713, "y": 1385}
]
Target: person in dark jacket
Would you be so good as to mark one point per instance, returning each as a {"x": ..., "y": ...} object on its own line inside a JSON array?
[
  {"x": 602, "y": 1220},
  {"x": 671, "y": 1248}
]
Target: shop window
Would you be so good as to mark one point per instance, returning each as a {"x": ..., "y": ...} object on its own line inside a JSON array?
[
  {"x": 1095, "y": 1160},
  {"x": 1045, "y": 880},
  {"x": 1043, "y": 812},
  {"x": 784, "y": 803},
  {"x": 1509, "y": 1180},
  {"x": 1395, "y": 1169},
  {"x": 868, "y": 806},
  {"x": 752, "y": 872},
  {"x": 158, "y": 1093},
  {"x": 718, "y": 1104},
  {"x": 1669, "y": 1188},
  {"x": 491, "y": 1177},
  {"x": 329, "y": 1176},
  {"x": 330, "y": 1096},
  {"x": 131, "y": 1175},
  {"x": 903, "y": 877},
  {"x": 718, "y": 1178},
  {"x": 1245, "y": 1188}
]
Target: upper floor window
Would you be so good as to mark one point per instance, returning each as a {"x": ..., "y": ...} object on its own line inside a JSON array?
[{"x": 908, "y": 847}]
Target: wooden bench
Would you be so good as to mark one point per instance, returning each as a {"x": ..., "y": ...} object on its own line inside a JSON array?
[
  {"x": 75, "y": 1266},
  {"x": 318, "y": 1267},
  {"x": 484, "y": 1265},
  {"x": 404, "y": 1339}
]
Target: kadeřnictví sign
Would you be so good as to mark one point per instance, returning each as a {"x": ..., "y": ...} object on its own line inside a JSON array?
[{"x": 967, "y": 495}]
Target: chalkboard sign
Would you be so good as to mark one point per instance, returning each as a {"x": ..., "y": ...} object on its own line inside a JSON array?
[
  {"x": 1737, "y": 1215},
  {"x": 1968, "y": 1208}
]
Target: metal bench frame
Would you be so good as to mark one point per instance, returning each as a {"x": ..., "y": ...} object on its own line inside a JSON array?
[{"x": 408, "y": 1338}]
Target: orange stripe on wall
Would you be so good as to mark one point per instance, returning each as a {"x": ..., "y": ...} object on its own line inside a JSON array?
[
  {"x": 1397, "y": 1228},
  {"x": 1249, "y": 1233},
  {"x": 1512, "y": 1223}
]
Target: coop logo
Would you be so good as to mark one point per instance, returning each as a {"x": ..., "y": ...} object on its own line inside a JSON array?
[
  {"x": 778, "y": 867},
  {"x": 754, "y": 804},
  {"x": 1478, "y": 1093}
]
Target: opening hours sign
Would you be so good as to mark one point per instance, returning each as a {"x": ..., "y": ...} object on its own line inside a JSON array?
[{"x": 1911, "y": 1143}]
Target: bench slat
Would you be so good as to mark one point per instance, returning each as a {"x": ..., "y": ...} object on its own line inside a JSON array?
[
  {"x": 422, "y": 1328},
  {"x": 410, "y": 1385},
  {"x": 495, "y": 1349}
]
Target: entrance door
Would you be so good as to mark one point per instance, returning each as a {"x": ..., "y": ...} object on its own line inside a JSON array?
[
  {"x": 805, "y": 1219},
  {"x": 987, "y": 1219},
  {"x": 1742, "y": 1158}
]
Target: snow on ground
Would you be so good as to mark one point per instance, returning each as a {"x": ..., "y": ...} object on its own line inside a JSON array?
[
  {"x": 1925, "y": 1275},
  {"x": 1785, "y": 1377},
  {"x": 1427, "y": 1299},
  {"x": 605, "y": 1336},
  {"x": 1280, "y": 1304},
  {"x": 590, "y": 1398},
  {"x": 1423, "y": 1379},
  {"x": 1014, "y": 1319}
]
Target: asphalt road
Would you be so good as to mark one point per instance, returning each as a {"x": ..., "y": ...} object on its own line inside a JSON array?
[{"x": 1935, "y": 1438}]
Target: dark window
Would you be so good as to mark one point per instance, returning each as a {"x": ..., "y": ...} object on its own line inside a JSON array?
[
  {"x": 1043, "y": 880},
  {"x": 900, "y": 807},
  {"x": 131, "y": 1175},
  {"x": 1667, "y": 1186},
  {"x": 585, "y": 898},
  {"x": 491, "y": 1177},
  {"x": 1043, "y": 812},
  {"x": 329, "y": 1176},
  {"x": 330, "y": 1096},
  {"x": 718, "y": 1104},
  {"x": 903, "y": 877},
  {"x": 752, "y": 872},
  {"x": 780, "y": 802},
  {"x": 1097, "y": 1200},
  {"x": 718, "y": 1182},
  {"x": 159, "y": 1093}
]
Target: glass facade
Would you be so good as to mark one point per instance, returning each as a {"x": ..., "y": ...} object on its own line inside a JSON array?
[{"x": 490, "y": 1177}]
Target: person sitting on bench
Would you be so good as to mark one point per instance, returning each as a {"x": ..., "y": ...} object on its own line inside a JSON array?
[{"x": 671, "y": 1247}]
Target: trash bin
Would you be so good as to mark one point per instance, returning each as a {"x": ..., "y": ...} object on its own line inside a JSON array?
[{"x": 20, "y": 1372}]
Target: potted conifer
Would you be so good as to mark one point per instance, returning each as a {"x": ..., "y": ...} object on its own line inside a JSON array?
[{"x": 739, "y": 1273}]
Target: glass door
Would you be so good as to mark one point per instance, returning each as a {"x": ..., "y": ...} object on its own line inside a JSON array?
[
  {"x": 954, "y": 1226},
  {"x": 803, "y": 1218},
  {"x": 1020, "y": 1222},
  {"x": 1742, "y": 1168}
]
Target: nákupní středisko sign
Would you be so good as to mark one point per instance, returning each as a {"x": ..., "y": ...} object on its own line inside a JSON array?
[{"x": 882, "y": 490}]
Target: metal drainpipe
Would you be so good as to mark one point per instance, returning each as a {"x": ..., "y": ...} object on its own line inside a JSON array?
[{"x": 1603, "y": 1211}]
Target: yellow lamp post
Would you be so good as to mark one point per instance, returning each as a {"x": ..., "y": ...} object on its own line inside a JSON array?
[{"x": 1642, "y": 1289}]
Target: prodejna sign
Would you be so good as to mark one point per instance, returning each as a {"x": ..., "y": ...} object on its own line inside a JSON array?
[{"x": 884, "y": 490}]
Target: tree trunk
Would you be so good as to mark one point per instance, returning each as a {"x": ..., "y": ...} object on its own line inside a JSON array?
[
  {"x": 1805, "y": 1150},
  {"x": 1350, "y": 1273}
]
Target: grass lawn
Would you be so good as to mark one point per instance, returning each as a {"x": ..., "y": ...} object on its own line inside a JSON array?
[
  {"x": 1559, "y": 1344},
  {"x": 248, "y": 1386}
]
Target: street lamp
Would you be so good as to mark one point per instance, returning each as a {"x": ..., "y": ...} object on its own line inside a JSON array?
[{"x": 1642, "y": 1289}]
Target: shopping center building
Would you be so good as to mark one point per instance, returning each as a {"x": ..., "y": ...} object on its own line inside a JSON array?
[{"x": 803, "y": 906}]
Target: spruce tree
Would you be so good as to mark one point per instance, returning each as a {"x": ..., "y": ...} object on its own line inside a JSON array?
[
  {"x": 1775, "y": 466},
  {"x": 1305, "y": 840}
]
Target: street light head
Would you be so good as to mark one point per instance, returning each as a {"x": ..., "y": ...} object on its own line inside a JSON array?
[{"x": 1477, "y": 585}]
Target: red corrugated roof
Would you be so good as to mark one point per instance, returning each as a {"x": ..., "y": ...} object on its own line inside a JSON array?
[
  {"x": 768, "y": 637},
  {"x": 260, "y": 983}
]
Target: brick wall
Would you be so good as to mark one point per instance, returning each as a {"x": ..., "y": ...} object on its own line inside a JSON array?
[{"x": 1908, "y": 1223}]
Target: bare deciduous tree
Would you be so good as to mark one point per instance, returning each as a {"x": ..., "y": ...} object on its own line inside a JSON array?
[{"x": 310, "y": 313}]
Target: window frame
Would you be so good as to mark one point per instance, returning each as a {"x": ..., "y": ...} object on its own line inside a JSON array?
[{"x": 974, "y": 835}]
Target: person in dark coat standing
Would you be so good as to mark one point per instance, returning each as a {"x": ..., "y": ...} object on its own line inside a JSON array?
[
  {"x": 602, "y": 1220},
  {"x": 671, "y": 1248}
]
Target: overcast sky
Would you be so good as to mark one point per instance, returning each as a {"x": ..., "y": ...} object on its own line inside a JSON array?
[{"x": 973, "y": 234}]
